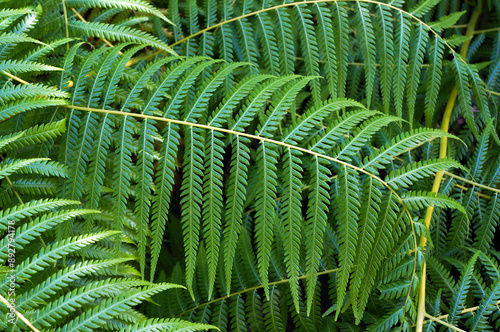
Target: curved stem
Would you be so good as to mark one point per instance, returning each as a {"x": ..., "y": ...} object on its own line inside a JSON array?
[
  {"x": 18, "y": 314},
  {"x": 283, "y": 281},
  {"x": 442, "y": 322},
  {"x": 439, "y": 176},
  {"x": 305, "y": 2},
  {"x": 475, "y": 184}
]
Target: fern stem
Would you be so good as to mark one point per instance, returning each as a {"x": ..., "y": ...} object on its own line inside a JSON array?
[
  {"x": 464, "y": 188},
  {"x": 283, "y": 281},
  {"x": 18, "y": 314},
  {"x": 443, "y": 323},
  {"x": 475, "y": 184},
  {"x": 466, "y": 310},
  {"x": 15, "y": 78},
  {"x": 290, "y": 4},
  {"x": 421, "y": 314},
  {"x": 65, "y": 11},
  {"x": 492, "y": 92}
]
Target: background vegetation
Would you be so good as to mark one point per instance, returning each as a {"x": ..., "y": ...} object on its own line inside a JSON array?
[{"x": 253, "y": 166}]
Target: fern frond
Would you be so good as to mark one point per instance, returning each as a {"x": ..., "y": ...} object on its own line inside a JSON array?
[
  {"x": 460, "y": 71},
  {"x": 361, "y": 135},
  {"x": 487, "y": 227},
  {"x": 370, "y": 197},
  {"x": 459, "y": 228},
  {"x": 192, "y": 189},
  {"x": 417, "y": 51},
  {"x": 341, "y": 34},
  {"x": 401, "y": 144},
  {"x": 157, "y": 325},
  {"x": 138, "y": 5},
  {"x": 423, "y": 7},
  {"x": 13, "y": 92},
  {"x": 348, "y": 216},
  {"x": 51, "y": 253},
  {"x": 434, "y": 76},
  {"x": 290, "y": 211},
  {"x": 406, "y": 176},
  {"x": 326, "y": 44},
  {"x": 268, "y": 44},
  {"x": 386, "y": 53},
  {"x": 238, "y": 181},
  {"x": 367, "y": 42},
  {"x": 402, "y": 49},
  {"x": 117, "y": 33},
  {"x": 309, "y": 46},
  {"x": 61, "y": 279},
  {"x": 265, "y": 216},
  {"x": 38, "y": 134},
  {"x": 93, "y": 318},
  {"x": 479, "y": 321},
  {"x": 420, "y": 200},
  {"x": 340, "y": 127},
  {"x": 462, "y": 290},
  {"x": 315, "y": 224},
  {"x": 28, "y": 232},
  {"x": 31, "y": 208}
]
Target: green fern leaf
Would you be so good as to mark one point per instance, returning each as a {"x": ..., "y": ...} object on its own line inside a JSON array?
[
  {"x": 93, "y": 318},
  {"x": 138, "y": 5},
  {"x": 462, "y": 290},
  {"x": 460, "y": 70},
  {"x": 369, "y": 210},
  {"x": 479, "y": 321},
  {"x": 315, "y": 224},
  {"x": 341, "y": 37},
  {"x": 402, "y": 49},
  {"x": 268, "y": 44},
  {"x": 78, "y": 297},
  {"x": 486, "y": 229},
  {"x": 285, "y": 42},
  {"x": 401, "y": 144},
  {"x": 191, "y": 196},
  {"x": 61, "y": 279},
  {"x": 421, "y": 200},
  {"x": 361, "y": 136},
  {"x": 28, "y": 232},
  {"x": 265, "y": 216},
  {"x": 423, "y": 7},
  {"x": 348, "y": 216},
  {"x": 364, "y": 29},
  {"x": 434, "y": 76},
  {"x": 386, "y": 53},
  {"x": 406, "y": 176},
  {"x": 291, "y": 216},
  {"x": 326, "y": 43},
  {"x": 309, "y": 47},
  {"x": 417, "y": 51},
  {"x": 342, "y": 126},
  {"x": 173, "y": 324},
  {"x": 238, "y": 181},
  {"x": 116, "y": 33}
]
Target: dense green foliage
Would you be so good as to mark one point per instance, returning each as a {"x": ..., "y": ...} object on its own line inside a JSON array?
[{"x": 294, "y": 165}]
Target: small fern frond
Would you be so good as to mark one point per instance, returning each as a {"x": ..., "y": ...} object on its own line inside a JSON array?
[
  {"x": 138, "y": 5},
  {"x": 406, "y": 176},
  {"x": 117, "y": 33},
  {"x": 462, "y": 290},
  {"x": 348, "y": 216},
  {"x": 421, "y": 200}
]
